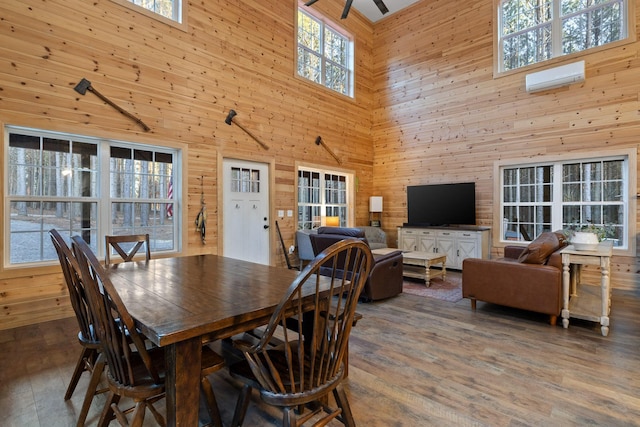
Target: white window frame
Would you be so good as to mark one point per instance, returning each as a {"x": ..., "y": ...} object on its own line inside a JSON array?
[
  {"x": 178, "y": 19},
  {"x": 555, "y": 27},
  {"x": 343, "y": 209},
  {"x": 102, "y": 199},
  {"x": 625, "y": 247},
  {"x": 325, "y": 24}
]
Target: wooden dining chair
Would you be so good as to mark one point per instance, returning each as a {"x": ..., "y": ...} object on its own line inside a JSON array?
[
  {"x": 90, "y": 360},
  {"x": 285, "y": 251},
  {"x": 307, "y": 366},
  {"x": 127, "y": 246},
  {"x": 133, "y": 371}
]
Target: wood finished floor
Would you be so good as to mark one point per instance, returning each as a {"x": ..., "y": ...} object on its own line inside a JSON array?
[{"x": 414, "y": 362}]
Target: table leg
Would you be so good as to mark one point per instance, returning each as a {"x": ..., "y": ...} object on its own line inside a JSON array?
[
  {"x": 565, "y": 292},
  {"x": 444, "y": 269},
  {"x": 576, "y": 270},
  {"x": 183, "y": 364},
  {"x": 604, "y": 281},
  {"x": 427, "y": 274}
]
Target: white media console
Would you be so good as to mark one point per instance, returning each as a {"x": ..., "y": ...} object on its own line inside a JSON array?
[{"x": 457, "y": 243}]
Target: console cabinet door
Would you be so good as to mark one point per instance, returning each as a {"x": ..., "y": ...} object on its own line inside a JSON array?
[
  {"x": 468, "y": 246},
  {"x": 427, "y": 242},
  {"x": 407, "y": 239},
  {"x": 447, "y": 246}
]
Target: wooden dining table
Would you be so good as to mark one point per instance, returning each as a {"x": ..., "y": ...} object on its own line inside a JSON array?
[{"x": 179, "y": 303}]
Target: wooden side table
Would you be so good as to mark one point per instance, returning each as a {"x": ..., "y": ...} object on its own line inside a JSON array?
[{"x": 583, "y": 301}]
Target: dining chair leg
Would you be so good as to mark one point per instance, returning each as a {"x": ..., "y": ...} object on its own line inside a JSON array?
[
  {"x": 157, "y": 415},
  {"x": 343, "y": 403},
  {"x": 96, "y": 375},
  {"x": 86, "y": 356},
  {"x": 107, "y": 412},
  {"x": 289, "y": 417},
  {"x": 212, "y": 404},
  {"x": 138, "y": 414},
  {"x": 241, "y": 406}
]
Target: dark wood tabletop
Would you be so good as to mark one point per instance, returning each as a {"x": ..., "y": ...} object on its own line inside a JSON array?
[{"x": 179, "y": 302}]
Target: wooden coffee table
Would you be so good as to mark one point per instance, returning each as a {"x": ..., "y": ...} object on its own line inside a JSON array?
[{"x": 418, "y": 264}]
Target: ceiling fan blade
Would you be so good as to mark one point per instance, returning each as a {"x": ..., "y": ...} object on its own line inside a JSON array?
[
  {"x": 310, "y": 2},
  {"x": 381, "y": 6},
  {"x": 347, "y": 7}
]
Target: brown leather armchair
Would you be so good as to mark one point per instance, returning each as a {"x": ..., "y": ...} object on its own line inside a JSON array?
[
  {"x": 527, "y": 278},
  {"x": 385, "y": 279}
]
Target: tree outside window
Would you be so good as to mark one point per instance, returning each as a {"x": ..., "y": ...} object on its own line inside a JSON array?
[
  {"x": 170, "y": 9},
  {"x": 57, "y": 181},
  {"x": 532, "y": 31},
  {"x": 566, "y": 195},
  {"x": 324, "y": 54}
]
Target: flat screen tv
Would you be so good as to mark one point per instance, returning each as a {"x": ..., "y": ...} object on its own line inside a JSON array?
[{"x": 441, "y": 204}]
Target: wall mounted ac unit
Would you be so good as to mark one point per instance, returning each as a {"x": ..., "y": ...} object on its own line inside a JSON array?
[{"x": 555, "y": 77}]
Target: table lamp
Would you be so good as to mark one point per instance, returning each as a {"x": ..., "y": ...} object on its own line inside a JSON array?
[
  {"x": 332, "y": 221},
  {"x": 375, "y": 207}
]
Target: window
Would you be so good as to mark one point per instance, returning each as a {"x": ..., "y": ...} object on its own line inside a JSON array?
[
  {"x": 324, "y": 54},
  {"x": 566, "y": 194},
  {"x": 170, "y": 11},
  {"x": 56, "y": 181},
  {"x": 244, "y": 180},
  {"x": 322, "y": 194},
  {"x": 532, "y": 31}
]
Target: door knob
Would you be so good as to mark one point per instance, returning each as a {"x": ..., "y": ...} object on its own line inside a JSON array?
[{"x": 265, "y": 226}]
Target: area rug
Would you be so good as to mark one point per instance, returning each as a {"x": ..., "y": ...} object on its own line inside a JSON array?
[{"x": 449, "y": 289}]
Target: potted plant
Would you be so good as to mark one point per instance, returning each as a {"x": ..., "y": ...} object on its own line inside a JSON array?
[{"x": 586, "y": 237}]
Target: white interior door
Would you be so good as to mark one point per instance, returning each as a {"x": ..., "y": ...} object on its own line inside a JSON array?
[{"x": 246, "y": 211}]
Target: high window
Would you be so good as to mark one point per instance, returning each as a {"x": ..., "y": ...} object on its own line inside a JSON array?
[
  {"x": 323, "y": 194},
  {"x": 88, "y": 187},
  {"x": 532, "y": 31},
  {"x": 324, "y": 53},
  {"x": 169, "y": 11},
  {"x": 567, "y": 194}
]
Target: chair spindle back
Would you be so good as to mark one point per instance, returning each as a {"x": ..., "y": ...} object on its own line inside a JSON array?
[
  {"x": 115, "y": 326},
  {"x": 313, "y": 358},
  {"x": 77, "y": 293}
]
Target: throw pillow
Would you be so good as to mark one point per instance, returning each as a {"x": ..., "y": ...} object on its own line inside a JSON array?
[{"x": 539, "y": 250}]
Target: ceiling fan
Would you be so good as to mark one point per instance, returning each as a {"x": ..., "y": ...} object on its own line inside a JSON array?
[{"x": 347, "y": 7}]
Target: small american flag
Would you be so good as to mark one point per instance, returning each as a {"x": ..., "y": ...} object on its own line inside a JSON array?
[{"x": 170, "y": 196}]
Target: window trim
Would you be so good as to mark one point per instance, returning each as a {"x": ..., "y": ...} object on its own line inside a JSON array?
[
  {"x": 351, "y": 188},
  {"x": 557, "y": 60},
  {"x": 632, "y": 196},
  {"x": 326, "y": 22},
  {"x": 103, "y": 223},
  {"x": 181, "y": 25}
]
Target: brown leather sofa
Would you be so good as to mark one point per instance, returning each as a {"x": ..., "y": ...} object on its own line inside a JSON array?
[
  {"x": 385, "y": 279},
  {"x": 527, "y": 278}
]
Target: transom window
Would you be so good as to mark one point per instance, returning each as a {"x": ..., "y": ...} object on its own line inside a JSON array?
[
  {"x": 324, "y": 53},
  {"x": 85, "y": 186},
  {"x": 532, "y": 31},
  {"x": 322, "y": 195},
  {"x": 566, "y": 195}
]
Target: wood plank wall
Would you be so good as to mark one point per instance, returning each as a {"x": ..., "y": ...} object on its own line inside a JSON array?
[
  {"x": 440, "y": 115},
  {"x": 425, "y": 98},
  {"x": 233, "y": 55}
]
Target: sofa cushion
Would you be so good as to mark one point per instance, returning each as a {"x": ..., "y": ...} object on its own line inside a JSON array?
[
  {"x": 342, "y": 231},
  {"x": 541, "y": 248}
]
